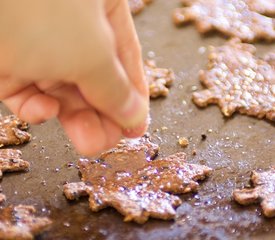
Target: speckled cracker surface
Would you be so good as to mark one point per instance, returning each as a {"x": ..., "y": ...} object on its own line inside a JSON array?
[
  {"x": 145, "y": 190},
  {"x": 11, "y": 161},
  {"x": 20, "y": 223},
  {"x": 234, "y": 18},
  {"x": 238, "y": 81},
  {"x": 263, "y": 192},
  {"x": 266, "y": 7},
  {"x": 13, "y": 131}
]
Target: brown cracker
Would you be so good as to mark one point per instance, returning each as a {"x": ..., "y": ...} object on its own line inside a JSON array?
[
  {"x": 159, "y": 79},
  {"x": 138, "y": 192},
  {"x": 239, "y": 81},
  {"x": 13, "y": 131},
  {"x": 20, "y": 223},
  {"x": 263, "y": 192},
  {"x": 10, "y": 161},
  {"x": 234, "y": 18}
]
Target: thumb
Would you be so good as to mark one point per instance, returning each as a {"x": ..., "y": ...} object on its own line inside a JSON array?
[{"x": 110, "y": 92}]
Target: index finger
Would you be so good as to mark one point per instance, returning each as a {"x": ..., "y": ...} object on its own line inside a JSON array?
[
  {"x": 128, "y": 50},
  {"x": 127, "y": 42}
]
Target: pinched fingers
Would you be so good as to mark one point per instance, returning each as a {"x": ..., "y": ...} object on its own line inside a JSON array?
[
  {"x": 90, "y": 131},
  {"x": 110, "y": 87},
  {"x": 129, "y": 53}
]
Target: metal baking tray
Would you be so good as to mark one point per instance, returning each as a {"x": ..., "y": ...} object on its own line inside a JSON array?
[{"x": 233, "y": 147}]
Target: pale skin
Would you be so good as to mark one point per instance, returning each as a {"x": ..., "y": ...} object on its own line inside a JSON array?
[{"x": 76, "y": 60}]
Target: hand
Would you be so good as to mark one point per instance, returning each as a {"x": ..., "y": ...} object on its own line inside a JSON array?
[{"x": 77, "y": 60}]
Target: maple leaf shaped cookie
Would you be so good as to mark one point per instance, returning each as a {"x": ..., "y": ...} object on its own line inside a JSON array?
[
  {"x": 139, "y": 192},
  {"x": 234, "y": 18},
  {"x": 239, "y": 81}
]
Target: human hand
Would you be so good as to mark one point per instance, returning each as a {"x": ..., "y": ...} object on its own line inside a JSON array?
[{"x": 77, "y": 60}]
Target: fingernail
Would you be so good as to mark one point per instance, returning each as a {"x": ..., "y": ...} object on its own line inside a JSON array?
[{"x": 134, "y": 111}]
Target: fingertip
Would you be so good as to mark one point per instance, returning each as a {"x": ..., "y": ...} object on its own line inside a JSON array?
[
  {"x": 134, "y": 111},
  {"x": 136, "y": 132}
]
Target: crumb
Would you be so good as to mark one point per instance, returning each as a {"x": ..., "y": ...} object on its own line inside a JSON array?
[
  {"x": 183, "y": 142},
  {"x": 203, "y": 137}
]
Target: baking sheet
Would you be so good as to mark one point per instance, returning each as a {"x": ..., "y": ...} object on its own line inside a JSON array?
[{"x": 233, "y": 147}]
